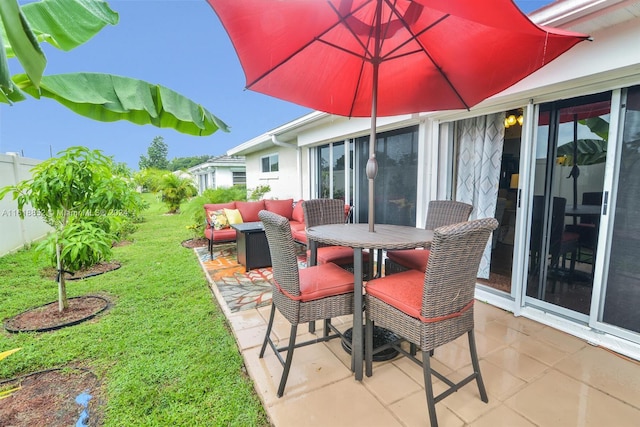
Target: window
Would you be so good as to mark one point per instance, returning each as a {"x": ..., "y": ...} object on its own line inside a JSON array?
[
  {"x": 395, "y": 186},
  {"x": 239, "y": 178},
  {"x": 331, "y": 169},
  {"x": 270, "y": 163}
]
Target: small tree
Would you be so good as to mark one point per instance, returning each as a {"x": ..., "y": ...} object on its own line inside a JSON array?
[
  {"x": 157, "y": 152},
  {"x": 79, "y": 196},
  {"x": 176, "y": 190},
  {"x": 150, "y": 179}
]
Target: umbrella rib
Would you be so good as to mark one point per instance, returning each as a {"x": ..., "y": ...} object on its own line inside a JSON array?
[
  {"x": 343, "y": 20},
  {"x": 300, "y": 49},
  {"x": 426, "y": 52},
  {"x": 414, "y": 37},
  {"x": 343, "y": 49}
]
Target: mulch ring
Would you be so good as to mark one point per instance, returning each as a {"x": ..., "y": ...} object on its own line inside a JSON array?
[
  {"x": 56, "y": 397},
  {"x": 48, "y": 318},
  {"x": 94, "y": 270}
]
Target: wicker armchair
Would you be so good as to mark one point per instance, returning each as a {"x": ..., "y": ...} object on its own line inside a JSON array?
[
  {"x": 302, "y": 295},
  {"x": 441, "y": 212},
  {"x": 433, "y": 308},
  {"x": 330, "y": 211}
]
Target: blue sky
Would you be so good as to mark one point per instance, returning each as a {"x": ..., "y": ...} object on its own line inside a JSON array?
[{"x": 176, "y": 43}]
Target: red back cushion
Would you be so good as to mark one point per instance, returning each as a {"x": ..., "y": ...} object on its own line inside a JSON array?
[
  {"x": 249, "y": 210},
  {"x": 281, "y": 207},
  {"x": 218, "y": 206},
  {"x": 298, "y": 214}
]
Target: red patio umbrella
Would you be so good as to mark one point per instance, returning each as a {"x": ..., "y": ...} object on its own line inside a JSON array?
[{"x": 369, "y": 58}]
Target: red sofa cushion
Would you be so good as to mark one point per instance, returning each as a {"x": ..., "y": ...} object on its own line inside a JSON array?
[
  {"x": 249, "y": 210},
  {"x": 298, "y": 214},
  {"x": 210, "y": 207},
  {"x": 401, "y": 290},
  {"x": 415, "y": 259},
  {"x": 280, "y": 207}
]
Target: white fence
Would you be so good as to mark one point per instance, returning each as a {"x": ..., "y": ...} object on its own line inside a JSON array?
[{"x": 15, "y": 232}]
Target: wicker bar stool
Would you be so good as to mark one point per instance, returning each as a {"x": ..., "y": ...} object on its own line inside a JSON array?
[
  {"x": 440, "y": 213},
  {"x": 302, "y": 295},
  {"x": 433, "y": 308},
  {"x": 330, "y": 211}
]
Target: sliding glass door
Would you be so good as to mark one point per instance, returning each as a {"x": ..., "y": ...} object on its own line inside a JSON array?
[
  {"x": 620, "y": 292},
  {"x": 569, "y": 175}
]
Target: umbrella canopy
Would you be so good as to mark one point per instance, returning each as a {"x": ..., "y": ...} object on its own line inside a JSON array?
[{"x": 369, "y": 58}]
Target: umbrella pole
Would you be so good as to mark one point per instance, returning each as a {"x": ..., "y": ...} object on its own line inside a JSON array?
[{"x": 372, "y": 163}]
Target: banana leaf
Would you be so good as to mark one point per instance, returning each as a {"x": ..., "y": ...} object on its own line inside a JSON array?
[
  {"x": 65, "y": 24},
  {"x": 108, "y": 98},
  {"x": 17, "y": 34},
  {"x": 589, "y": 152}
]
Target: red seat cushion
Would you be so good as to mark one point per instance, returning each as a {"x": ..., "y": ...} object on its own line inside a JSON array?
[
  {"x": 223, "y": 235},
  {"x": 415, "y": 259},
  {"x": 401, "y": 290},
  {"x": 568, "y": 236},
  {"x": 323, "y": 281},
  {"x": 300, "y": 236},
  {"x": 297, "y": 226},
  {"x": 340, "y": 255},
  {"x": 298, "y": 231}
]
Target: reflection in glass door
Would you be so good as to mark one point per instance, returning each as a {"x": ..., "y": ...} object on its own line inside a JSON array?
[
  {"x": 622, "y": 283},
  {"x": 569, "y": 173}
]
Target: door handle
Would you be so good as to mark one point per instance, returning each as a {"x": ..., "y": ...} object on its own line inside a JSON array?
[{"x": 605, "y": 202}]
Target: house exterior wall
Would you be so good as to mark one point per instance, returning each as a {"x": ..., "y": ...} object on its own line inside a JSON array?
[
  {"x": 224, "y": 177},
  {"x": 217, "y": 172},
  {"x": 16, "y": 232},
  {"x": 285, "y": 184}
]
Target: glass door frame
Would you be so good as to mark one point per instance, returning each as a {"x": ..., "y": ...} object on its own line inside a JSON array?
[{"x": 616, "y": 127}]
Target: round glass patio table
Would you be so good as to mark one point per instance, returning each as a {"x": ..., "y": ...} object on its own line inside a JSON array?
[{"x": 358, "y": 237}]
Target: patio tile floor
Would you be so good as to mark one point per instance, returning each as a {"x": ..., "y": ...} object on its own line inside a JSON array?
[{"x": 535, "y": 376}]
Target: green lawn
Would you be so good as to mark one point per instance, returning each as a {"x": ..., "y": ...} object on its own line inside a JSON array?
[{"x": 163, "y": 351}]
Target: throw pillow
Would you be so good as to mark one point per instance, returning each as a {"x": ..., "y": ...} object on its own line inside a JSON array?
[
  {"x": 233, "y": 215},
  {"x": 218, "y": 219}
]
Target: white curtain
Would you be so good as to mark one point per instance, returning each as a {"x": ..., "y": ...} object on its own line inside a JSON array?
[{"x": 480, "y": 141}]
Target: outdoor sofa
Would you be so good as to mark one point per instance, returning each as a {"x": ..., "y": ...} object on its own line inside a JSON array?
[{"x": 217, "y": 229}]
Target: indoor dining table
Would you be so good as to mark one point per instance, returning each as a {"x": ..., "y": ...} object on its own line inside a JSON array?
[{"x": 358, "y": 237}]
